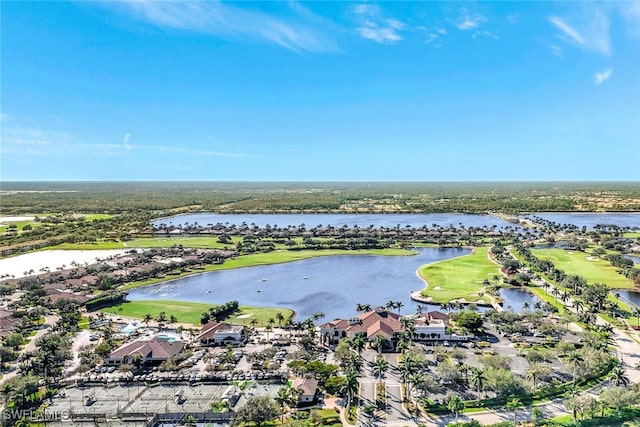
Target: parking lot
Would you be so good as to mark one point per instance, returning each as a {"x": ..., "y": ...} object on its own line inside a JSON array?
[{"x": 142, "y": 399}]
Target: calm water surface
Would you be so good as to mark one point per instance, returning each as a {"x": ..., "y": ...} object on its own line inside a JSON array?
[
  {"x": 337, "y": 220},
  {"x": 630, "y": 296},
  {"x": 515, "y": 298},
  {"x": 592, "y": 219},
  {"x": 331, "y": 284}
]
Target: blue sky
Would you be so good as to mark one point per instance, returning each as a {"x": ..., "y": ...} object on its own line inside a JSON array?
[{"x": 329, "y": 91}]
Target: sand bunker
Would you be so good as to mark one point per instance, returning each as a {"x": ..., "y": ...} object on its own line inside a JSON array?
[{"x": 244, "y": 316}]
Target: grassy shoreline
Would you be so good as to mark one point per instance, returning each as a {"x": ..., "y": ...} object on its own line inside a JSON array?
[{"x": 189, "y": 312}]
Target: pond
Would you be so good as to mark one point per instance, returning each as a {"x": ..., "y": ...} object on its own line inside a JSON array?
[
  {"x": 337, "y": 220},
  {"x": 634, "y": 258},
  {"x": 332, "y": 285},
  {"x": 629, "y": 296},
  {"x": 516, "y": 298},
  {"x": 590, "y": 220}
]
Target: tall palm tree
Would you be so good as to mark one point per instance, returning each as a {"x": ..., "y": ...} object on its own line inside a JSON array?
[
  {"x": 279, "y": 318},
  {"x": 378, "y": 342},
  {"x": 455, "y": 405},
  {"x": 282, "y": 399},
  {"x": 399, "y": 305},
  {"x": 358, "y": 343},
  {"x": 253, "y": 322},
  {"x": 574, "y": 359},
  {"x": 350, "y": 387},
  {"x": 478, "y": 379},
  {"x": 380, "y": 367},
  {"x": 354, "y": 363},
  {"x": 146, "y": 319},
  {"x": 416, "y": 380}
]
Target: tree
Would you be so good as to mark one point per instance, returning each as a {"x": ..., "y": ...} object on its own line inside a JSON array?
[
  {"x": 358, "y": 342},
  {"x": 574, "y": 359},
  {"x": 279, "y": 318},
  {"x": 257, "y": 409},
  {"x": 478, "y": 379},
  {"x": 619, "y": 376},
  {"x": 514, "y": 404},
  {"x": 350, "y": 387},
  {"x": 378, "y": 342},
  {"x": 455, "y": 405},
  {"x": 469, "y": 320},
  {"x": 380, "y": 367},
  {"x": 147, "y": 318}
]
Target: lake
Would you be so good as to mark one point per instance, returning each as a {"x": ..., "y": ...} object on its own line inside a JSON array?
[
  {"x": 337, "y": 220},
  {"x": 332, "y": 284},
  {"x": 590, "y": 220},
  {"x": 629, "y": 296}
]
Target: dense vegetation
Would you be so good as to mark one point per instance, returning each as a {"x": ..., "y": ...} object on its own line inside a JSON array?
[{"x": 116, "y": 198}]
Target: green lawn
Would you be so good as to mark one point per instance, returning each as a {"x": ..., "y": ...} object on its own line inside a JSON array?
[
  {"x": 631, "y": 235},
  {"x": 459, "y": 277},
  {"x": 189, "y": 312},
  {"x": 575, "y": 262}
]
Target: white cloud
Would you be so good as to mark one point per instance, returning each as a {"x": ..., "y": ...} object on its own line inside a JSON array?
[
  {"x": 469, "y": 22},
  {"x": 602, "y": 76},
  {"x": 5, "y": 117},
  {"x": 18, "y": 140},
  {"x": 230, "y": 21},
  {"x": 630, "y": 11},
  {"x": 513, "y": 18},
  {"x": 372, "y": 25},
  {"x": 125, "y": 141},
  {"x": 556, "y": 50},
  {"x": 590, "y": 34}
]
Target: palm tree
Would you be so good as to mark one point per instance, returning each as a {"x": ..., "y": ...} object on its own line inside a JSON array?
[
  {"x": 253, "y": 322},
  {"x": 419, "y": 309},
  {"x": 317, "y": 316},
  {"x": 358, "y": 342},
  {"x": 415, "y": 381},
  {"x": 282, "y": 399},
  {"x": 390, "y": 305},
  {"x": 619, "y": 376},
  {"x": 173, "y": 320},
  {"x": 279, "y": 318},
  {"x": 514, "y": 404},
  {"x": 533, "y": 375},
  {"x": 636, "y": 312},
  {"x": 574, "y": 359},
  {"x": 455, "y": 405},
  {"x": 350, "y": 387},
  {"x": 380, "y": 367},
  {"x": 354, "y": 363},
  {"x": 146, "y": 319},
  {"x": 478, "y": 379},
  {"x": 403, "y": 343},
  {"x": 378, "y": 342},
  {"x": 399, "y": 305}
]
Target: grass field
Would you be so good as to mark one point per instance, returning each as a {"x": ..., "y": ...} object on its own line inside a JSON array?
[
  {"x": 575, "y": 262},
  {"x": 189, "y": 312},
  {"x": 459, "y": 277},
  {"x": 274, "y": 257}
]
